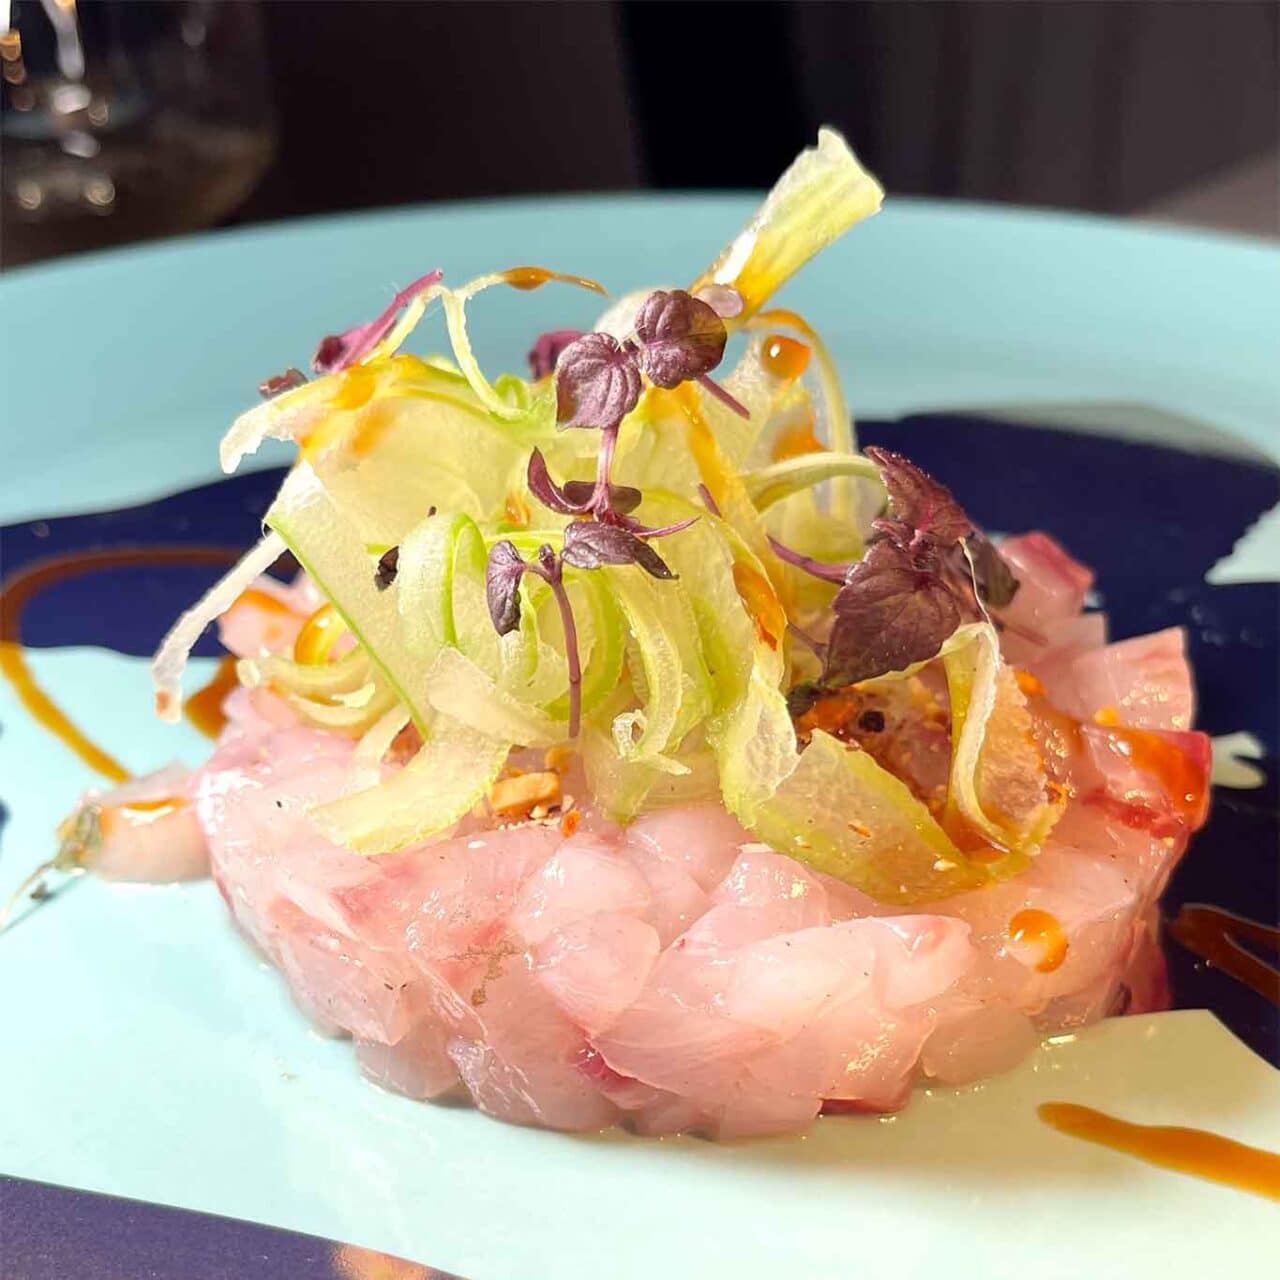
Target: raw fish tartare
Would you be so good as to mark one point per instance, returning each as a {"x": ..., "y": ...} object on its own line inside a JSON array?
[{"x": 628, "y": 748}]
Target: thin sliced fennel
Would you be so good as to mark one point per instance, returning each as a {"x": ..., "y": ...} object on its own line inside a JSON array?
[
  {"x": 171, "y": 657},
  {"x": 767, "y": 485},
  {"x": 333, "y": 552},
  {"x": 822, "y": 194},
  {"x": 997, "y": 782},
  {"x": 452, "y": 770}
]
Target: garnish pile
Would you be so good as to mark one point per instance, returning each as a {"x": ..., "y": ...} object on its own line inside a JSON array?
[{"x": 666, "y": 573}]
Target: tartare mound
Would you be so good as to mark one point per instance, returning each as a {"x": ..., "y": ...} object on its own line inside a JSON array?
[{"x": 677, "y": 974}]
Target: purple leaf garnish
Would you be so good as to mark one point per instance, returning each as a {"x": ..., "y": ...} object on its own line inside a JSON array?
[
  {"x": 929, "y": 570},
  {"x": 279, "y": 382},
  {"x": 894, "y": 609},
  {"x": 341, "y": 350},
  {"x": 681, "y": 337},
  {"x": 575, "y": 497},
  {"x": 623, "y": 499},
  {"x": 588, "y": 544},
  {"x": 502, "y": 586},
  {"x": 550, "y": 494},
  {"x": 597, "y": 382},
  {"x": 919, "y": 507},
  {"x": 546, "y": 350}
]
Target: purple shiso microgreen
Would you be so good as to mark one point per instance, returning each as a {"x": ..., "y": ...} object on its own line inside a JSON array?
[
  {"x": 341, "y": 350},
  {"x": 589, "y": 544},
  {"x": 548, "y": 348},
  {"x": 502, "y": 586},
  {"x": 680, "y": 337},
  {"x": 608, "y": 503},
  {"x": 597, "y": 382},
  {"x": 918, "y": 581}
]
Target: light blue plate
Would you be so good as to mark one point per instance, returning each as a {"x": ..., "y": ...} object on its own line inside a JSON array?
[{"x": 146, "y": 1051}]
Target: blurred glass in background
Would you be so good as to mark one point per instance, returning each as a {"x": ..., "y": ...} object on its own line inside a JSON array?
[
  {"x": 124, "y": 120},
  {"x": 127, "y": 119}
]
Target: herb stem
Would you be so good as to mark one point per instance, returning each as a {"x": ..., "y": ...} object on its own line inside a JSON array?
[
  {"x": 602, "y": 500},
  {"x": 551, "y": 571}
]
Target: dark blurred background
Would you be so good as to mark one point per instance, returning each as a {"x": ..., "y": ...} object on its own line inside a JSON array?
[{"x": 178, "y": 115}]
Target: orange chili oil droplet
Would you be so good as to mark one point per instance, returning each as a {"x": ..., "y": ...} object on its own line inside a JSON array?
[
  {"x": 1107, "y": 717},
  {"x": 319, "y": 634},
  {"x": 784, "y": 357},
  {"x": 204, "y": 708},
  {"x": 1191, "y": 1151},
  {"x": 1181, "y": 778},
  {"x": 1031, "y": 686},
  {"x": 1039, "y": 927}
]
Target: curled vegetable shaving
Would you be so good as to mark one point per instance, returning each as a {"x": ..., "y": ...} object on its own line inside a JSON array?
[{"x": 171, "y": 657}]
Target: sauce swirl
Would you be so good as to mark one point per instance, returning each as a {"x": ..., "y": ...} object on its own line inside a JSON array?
[{"x": 18, "y": 590}]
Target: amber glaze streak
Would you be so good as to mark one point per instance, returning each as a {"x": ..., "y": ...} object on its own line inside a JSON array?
[
  {"x": 204, "y": 707},
  {"x": 1213, "y": 934},
  {"x": 18, "y": 590},
  {"x": 536, "y": 277},
  {"x": 1193, "y": 1151}
]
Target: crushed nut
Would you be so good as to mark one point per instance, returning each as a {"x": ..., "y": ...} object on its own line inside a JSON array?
[
  {"x": 516, "y": 796},
  {"x": 558, "y": 758}
]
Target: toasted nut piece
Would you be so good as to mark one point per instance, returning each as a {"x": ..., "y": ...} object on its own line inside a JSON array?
[
  {"x": 512, "y": 796},
  {"x": 558, "y": 758}
]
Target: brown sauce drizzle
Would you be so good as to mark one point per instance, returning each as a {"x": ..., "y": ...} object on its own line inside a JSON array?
[
  {"x": 1191, "y": 1151},
  {"x": 18, "y": 590},
  {"x": 1213, "y": 934}
]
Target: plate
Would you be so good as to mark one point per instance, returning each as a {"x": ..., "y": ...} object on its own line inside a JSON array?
[{"x": 1112, "y": 384}]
